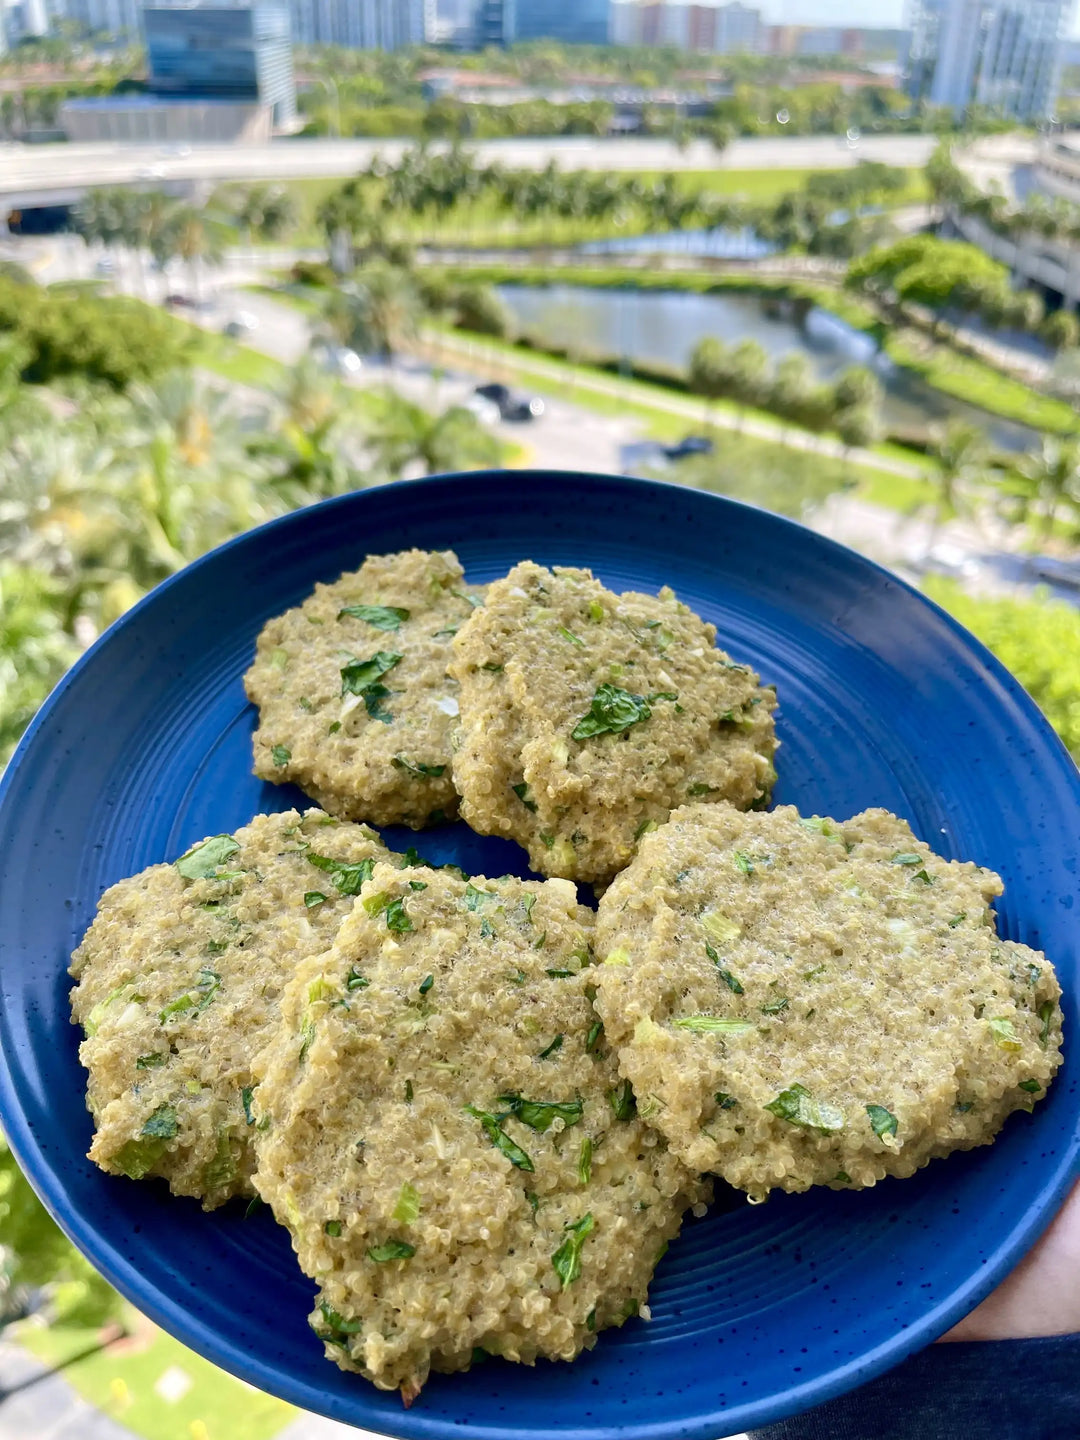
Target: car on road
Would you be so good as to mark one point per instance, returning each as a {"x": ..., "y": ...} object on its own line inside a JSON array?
[
  {"x": 242, "y": 323},
  {"x": 511, "y": 406},
  {"x": 339, "y": 360},
  {"x": 688, "y": 446},
  {"x": 485, "y": 410},
  {"x": 104, "y": 266}
]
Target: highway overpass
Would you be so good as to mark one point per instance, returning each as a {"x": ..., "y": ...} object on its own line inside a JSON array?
[{"x": 33, "y": 176}]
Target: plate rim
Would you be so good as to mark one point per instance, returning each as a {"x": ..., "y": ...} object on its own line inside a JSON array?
[{"x": 415, "y": 1425}]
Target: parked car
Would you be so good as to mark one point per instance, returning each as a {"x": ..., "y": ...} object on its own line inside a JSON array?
[
  {"x": 176, "y": 301},
  {"x": 104, "y": 266},
  {"x": 242, "y": 323},
  {"x": 339, "y": 360},
  {"x": 485, "y": 409},
  {"x": 689, "y": 445},
  {"x": 511, "y": 405}
]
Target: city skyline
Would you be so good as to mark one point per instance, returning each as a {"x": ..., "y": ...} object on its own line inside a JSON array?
[{"x": 887, "y": 13}]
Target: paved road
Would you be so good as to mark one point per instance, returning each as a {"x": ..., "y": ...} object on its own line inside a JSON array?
[{"x": 36, "y": 173}]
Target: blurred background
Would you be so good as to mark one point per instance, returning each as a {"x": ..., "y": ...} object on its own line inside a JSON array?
[{"x": 255, "y": 255}]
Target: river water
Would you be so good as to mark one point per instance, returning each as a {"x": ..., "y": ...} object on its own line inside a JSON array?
[{"x": 665, "y": 325}]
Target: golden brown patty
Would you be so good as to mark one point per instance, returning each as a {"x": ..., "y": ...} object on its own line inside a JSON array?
[
  {"x": 178, "y": 983},
  {"x": 449, "y": 1141},
  {"x": 586, "y": 716},
  {"x": 807, "y": 1001},
  {"x": 355, "y": 705}
]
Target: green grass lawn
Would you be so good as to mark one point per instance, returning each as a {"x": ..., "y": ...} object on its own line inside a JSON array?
[
  {"x": 209, "y": 350},
  {"x": 485, "y": 222},
  {"x": 120, "y": 1381}
]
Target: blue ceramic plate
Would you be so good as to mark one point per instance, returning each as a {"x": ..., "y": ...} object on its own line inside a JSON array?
[{"x": 757, "y": 1312}]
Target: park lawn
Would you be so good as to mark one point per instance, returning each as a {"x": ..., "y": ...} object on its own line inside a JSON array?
[
  {"x": 486, "y": 222},
  {"x": 215, "y": 1407},
  {"x": 648, "y": 403},
  {"x": 209, "y": 350},
  {"x": 965, "y": 378}
]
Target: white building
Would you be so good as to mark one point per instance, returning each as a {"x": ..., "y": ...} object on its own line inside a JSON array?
[{"x": 1004, "y": 54}]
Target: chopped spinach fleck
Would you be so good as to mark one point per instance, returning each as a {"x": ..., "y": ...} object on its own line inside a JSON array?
[
  {"x": 596, "y": 1029},
  {"x": 743, "y": 863},
  {"x": 281, "y": 755},
  {"x": 1031, "y": 1086},
  {"x": 497, "y": 1135},
  {"x": 347, "y": 878},
  {"x": 150, "y": 1062},
  {"x": 1005, "y": 1036},
  {"x": 196, "y": 1000},
  {"x": 358, "y": 675},
  {"x": 202, "y": 861},
  {"x": 724, "y": 1100},
  {"x": 540, "y": 1115},
  {"x": 622, "y": 1102},
  {"x": 573, "y": 639},
  {"x": 584, "y": 1168},
  {"x": 611, "y": 711},
  {"x": 700, "y": 788},
  {"x": 556, "y": 1044},
  {"x": 882, "y": 1121},
  {"x": 382, "y": 617},
  {"x": 522, "y": 792},
  {"x": 332, "y": 1228},
  {"x": 313, "y": 898},
  {"x": 426, "y": 984},
  {"x": 774, "y": 1007},
  {"x": 392, "y": 1250},
  {"x": 418, "y": 768},
  {"x": 245, "y": 1100},
  {"x": 904, "y": 857},
  {"x": 798, "y": 1106},
  {"x": 1046, "y": 1014},
  {"x": 567, "y": 1258},
  {"x": 355, "y": 981}
]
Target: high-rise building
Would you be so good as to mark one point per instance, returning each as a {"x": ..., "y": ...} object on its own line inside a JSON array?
[
  {"x": 495, "y": 23},
  {"x": 719, "y": 29},
  {"x": 739, "y": 28},
  {"x": 111, "y": 17},
  {"x": 223, "y": 52},
  {"x": 1004, "y": 54},
  {"x": 576, "y": 22},
  {"x": 363, "y": 24}
]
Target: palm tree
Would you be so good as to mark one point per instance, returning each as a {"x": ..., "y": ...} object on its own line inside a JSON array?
[
  {"x": 1051, "y": 478},
  {"x": 405, "y": 439},
  {"x": 378, "y": 314},
  {"x": 266, "y": 211},
  {"x": 189, "y": 233},
  {"x": 961, "y": 457}
]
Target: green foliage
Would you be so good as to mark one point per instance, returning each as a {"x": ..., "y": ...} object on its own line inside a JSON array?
[
  {"x": 1061, "y": 330},
  {"x": 741, "y": 373},
  {"x": 34, "y": 649},
  {"x": 482, "y": 310},
  {"x": 1037, "y": 639},
  {"x": 940, "y": 274},
  {"x": 376, "y": 313},
  {"x": 114, "y": 340},
  {"x": 34, "y": 1253}
]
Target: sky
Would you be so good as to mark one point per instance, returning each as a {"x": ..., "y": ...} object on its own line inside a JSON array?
[{"x": 886, "y": 13}]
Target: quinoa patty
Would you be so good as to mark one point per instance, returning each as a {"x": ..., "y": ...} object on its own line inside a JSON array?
[
  {"x": 355, "y": 705},
  {"x": 178, "y": 981},
  {"x": 808, "y": 1001},
  {"x": 448, "y": 1139},
  {"x": 586, "y": 716}
]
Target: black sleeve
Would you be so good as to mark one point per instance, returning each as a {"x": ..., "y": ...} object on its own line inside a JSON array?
[{"x": 989, "y": 1390}]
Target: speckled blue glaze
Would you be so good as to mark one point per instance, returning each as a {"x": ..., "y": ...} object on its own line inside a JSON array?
[{"x": 757, "y": 1312}]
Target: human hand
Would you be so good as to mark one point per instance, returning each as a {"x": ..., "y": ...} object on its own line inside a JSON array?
[{"x": 1042, "y": 1295}]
